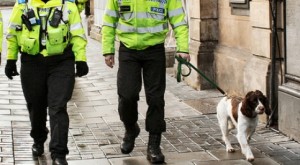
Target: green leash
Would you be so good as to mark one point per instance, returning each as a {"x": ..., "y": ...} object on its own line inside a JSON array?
[{"x": 182, "y": 61}]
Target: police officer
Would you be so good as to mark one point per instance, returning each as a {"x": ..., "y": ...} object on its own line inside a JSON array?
[
  {"x": 50, "y": 38},
  {"x": 1, "y": 34},
  {"x": 141, "y": 27}
]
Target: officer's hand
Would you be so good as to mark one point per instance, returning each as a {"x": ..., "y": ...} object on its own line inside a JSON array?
[
  {"x": 11, "y": 69},
  {"x": 82, "y": 68},
  {"x": 185, "y": 56},
  {"x": 110, "y": 60}
]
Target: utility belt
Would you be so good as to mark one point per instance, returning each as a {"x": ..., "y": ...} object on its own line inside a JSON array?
[
  {"x": 160, "y": 46},
  {"x": 68, "y": 54}
]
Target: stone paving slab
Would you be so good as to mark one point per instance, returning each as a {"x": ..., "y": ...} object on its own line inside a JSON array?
[
  {"x": 5, "y": 124},
  {"x": 221, "y": 154},
  {"x": 205, "y": 106},
  {"x": 14, "y": 118},
  {"x": 90, "y": 162}
]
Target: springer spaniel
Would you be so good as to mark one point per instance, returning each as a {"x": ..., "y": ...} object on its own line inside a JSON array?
[{"x": 241, "y": 113}]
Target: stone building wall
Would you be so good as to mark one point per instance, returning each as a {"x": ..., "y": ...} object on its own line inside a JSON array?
[
  {"x": 244, "y": 48},
  {"x": 203, "y": 26}
]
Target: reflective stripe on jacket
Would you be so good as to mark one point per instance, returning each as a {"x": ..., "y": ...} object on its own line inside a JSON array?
[
  {"x": 143, "y": 23},
  {"x": 71, "y": 22}
]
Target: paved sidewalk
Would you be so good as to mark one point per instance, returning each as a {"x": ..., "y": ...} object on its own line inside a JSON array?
[{"x": 193, "y": 136}]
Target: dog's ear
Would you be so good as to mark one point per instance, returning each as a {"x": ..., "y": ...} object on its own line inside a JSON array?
[
  {"x": 249, "y": 94},
  {"x": 266, "y": 104},
  {"x": 259, "y": 93}
]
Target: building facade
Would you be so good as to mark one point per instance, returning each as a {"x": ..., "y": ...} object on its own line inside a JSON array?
[{"x": 232, "y": 43}]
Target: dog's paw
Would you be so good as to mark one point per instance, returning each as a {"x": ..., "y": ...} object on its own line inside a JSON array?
[
  {"x": 250, "y": 159},
  {"x": 230, "y": 150}
]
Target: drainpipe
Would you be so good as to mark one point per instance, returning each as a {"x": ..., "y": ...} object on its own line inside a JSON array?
[
  {"x": 284, "y": 33},
  {"x": 273, "y": 91}
]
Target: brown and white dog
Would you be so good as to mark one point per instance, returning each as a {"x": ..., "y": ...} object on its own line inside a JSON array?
[{"x": 241, "y": 113}]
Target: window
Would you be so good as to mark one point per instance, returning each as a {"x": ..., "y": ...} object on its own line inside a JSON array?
[{"x": 240, "y": 7}]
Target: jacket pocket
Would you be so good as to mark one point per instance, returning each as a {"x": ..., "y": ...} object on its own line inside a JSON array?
[
  {"x": 126, "y": 12},
  {"x": 157, "y": 13},
  {"x": 29, "y": 40},
  {"x": 55, "y": 41},
  {"x": 28, "y": 44}
]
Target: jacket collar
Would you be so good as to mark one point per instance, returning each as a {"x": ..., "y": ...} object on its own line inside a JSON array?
[{"x": 41, "y": 4}]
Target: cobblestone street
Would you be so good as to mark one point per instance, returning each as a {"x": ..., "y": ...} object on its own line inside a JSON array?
[{"x": 193, "y": 136}]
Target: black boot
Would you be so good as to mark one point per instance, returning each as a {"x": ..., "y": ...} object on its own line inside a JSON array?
[
  {"x": 154, "y": 154},
  {"x": 131, "y": 133},
  {"x": 37, "y": 149},
  {"x": 59, "y": 161}
]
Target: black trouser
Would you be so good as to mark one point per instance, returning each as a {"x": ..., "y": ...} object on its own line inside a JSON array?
[
  {"x": 133, "y": 65},
  {"x": 48, "y": 82}
]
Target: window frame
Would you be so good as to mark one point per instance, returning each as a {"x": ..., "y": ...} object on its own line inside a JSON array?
[{"x": 240, "y": 7}]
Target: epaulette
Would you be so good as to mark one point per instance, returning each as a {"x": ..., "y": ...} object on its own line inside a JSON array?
[{"x": 22, "y": 1}]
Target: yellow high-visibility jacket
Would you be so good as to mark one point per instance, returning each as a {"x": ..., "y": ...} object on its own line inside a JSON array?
[
  {"x": 1, "y": 31},
  {"x": 143, "y": 23},
  {"x": 69, "y": 31}
]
